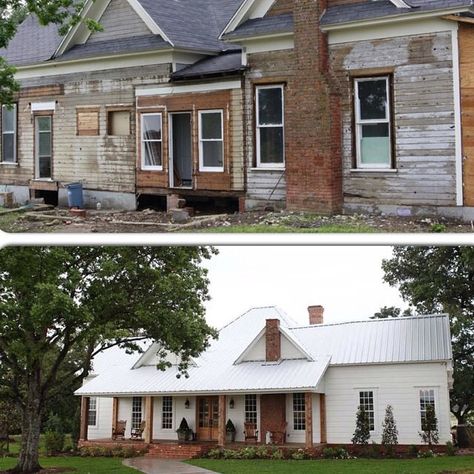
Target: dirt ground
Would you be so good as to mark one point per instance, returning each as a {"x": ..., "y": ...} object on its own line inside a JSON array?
[{"x": 47, "y": 219}]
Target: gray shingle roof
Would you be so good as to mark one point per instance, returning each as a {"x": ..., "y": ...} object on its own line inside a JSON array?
[
  {"x": 223, "y": 64},
  {"x": 263, "y": 26},
  {"x": 370, "y": 9}
]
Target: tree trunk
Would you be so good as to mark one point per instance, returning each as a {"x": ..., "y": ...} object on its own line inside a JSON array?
[{"x": 28, "y": 461}]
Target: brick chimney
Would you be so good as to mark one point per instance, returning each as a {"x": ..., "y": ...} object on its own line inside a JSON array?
[
  {"x": 313, "y": 118},
  {"x": 316, "y": 314},
  {"x": 273, "y": 340}
]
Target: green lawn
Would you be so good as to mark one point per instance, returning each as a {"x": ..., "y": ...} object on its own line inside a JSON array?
[
  {"x": 81, "y": 465},
  {"x": 464, "y": 464}
]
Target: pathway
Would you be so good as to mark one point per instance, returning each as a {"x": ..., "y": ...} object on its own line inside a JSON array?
[{"x": 164, "y": 466}]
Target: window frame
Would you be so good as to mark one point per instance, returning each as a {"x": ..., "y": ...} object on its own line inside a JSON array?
[
  {"x": 95, "y": 410},
  {"x": 420, "y": 410},
  {"x": 373, "y": 411},
  {"x": 258, "y": 127},
  {"x": 359, "y": 123},
  {"x": 9, "y": 132},
  {"x": 37, "y": 157},
  {"x": 145, "y": 167},
  {"x": 170, "y": 413},
  {"x": 202, "y": 167},
  {"x": 135, "y": 424},
  {"x": 299, "y": 424},
  {"x": 251, "y": 408}
]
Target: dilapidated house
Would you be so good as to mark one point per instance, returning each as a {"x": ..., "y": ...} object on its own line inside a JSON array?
[{"x": 324, "y": 106}]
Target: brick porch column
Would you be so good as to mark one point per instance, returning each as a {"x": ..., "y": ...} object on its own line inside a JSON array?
[
  {"x": 148, "y": 419},
  {"x": 84, "y": 419},
  {"x": 322, "y": 417},
  {"x": 308, "y": 402},
  {"x": 221, "y": 437},
  {"x": 115, "y": 410}
]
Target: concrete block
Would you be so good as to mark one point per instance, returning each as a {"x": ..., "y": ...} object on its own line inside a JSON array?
[{"x": 180, "y": 216}]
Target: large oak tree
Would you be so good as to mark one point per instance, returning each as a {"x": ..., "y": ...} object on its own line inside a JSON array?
[
  {"x": 441, "y": 280},
  {"x": 60, "y": 306}
]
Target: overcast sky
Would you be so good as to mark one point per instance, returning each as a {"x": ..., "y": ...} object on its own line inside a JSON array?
[{"x": 347, "y": 281}]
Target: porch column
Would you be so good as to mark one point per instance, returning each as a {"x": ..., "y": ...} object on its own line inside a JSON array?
[
  {"x": 84, "y": 418},
  {"x": 308, "y": 404},
  {"x": 115, "y": 411},
  {"x": 222, "y": 421},
  {"x": 148, "y": 419},
  {"x": 322, "y": 417}
]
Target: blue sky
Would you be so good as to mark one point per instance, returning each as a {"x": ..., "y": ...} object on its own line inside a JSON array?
[{"x": 346, "y": 280}]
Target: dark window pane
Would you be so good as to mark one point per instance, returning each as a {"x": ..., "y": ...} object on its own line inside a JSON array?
[
  {"x": 211, "y": 126},
  {"x": 8, "y": 119},
  {"x": 45, "y": 167},
  {"x": 152, "y": 153},
  {"x": 44, "y": 124},
  {"x": 375, "y": 144},
  {"x": 44, "y": 148},
  {"x": 8, "y": 148},
  {"x": 212, "y": 154},
  {"x": 373, "y": 99},
  {"x": 271, "y": 145},
  {"x": 270, "y": 106},
  {"x": 152, "y": 127}
]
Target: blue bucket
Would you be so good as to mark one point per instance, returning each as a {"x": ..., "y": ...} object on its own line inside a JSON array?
[{"x": 75, "y": 195}]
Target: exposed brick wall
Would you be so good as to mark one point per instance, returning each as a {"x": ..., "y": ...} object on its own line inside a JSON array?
[
  {"x": 272, "y": 413},
  {"x": 313, "y": 128},
  {"x": 273, "y": 340}
]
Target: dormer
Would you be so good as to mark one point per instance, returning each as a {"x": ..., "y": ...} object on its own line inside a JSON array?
[
  {"x": 151, "y": 357},
  {"x": 272, "y": 345}
]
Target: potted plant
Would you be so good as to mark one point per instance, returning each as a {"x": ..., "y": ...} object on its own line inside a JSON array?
[
  {"x": 230, "y": 430},
  {"x": 184, "y": 431}
]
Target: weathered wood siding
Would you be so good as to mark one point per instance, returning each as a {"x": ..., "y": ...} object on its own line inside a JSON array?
[
  {"x": 264, "y": 187},
  {"x": 119, "y": 21},
  {"x": 103, "y": 163},
  {"x": 466, "y": 45},
  {"x": 423, "y": 112},
  {"x": 281, "y": 7}
]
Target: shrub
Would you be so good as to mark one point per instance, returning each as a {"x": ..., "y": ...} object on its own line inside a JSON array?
[
  {"x": 262, "y": 452},
  {"x": 362, "y": 431},
  {"x": 375, "y": 451},
  {"x": 298, "y": 455},
  {"x": 278, "y": 454},
  {"x": 450, "y": 449},
  {"x": 53, "y": 442},
  {"x": 214, "y": 453},
  {"x": 229, "y": 427},
  {"x": 341, "y": 453},
  {"x": 430, "y": 434},
  {"x": 427, "y": 454},
  {"x": 390, "y": 432},
  {"x": 335, "y": 453},
  {"x": 329, "y": 453}
]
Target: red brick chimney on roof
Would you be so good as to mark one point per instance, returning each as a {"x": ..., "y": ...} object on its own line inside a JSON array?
[
  {"x": 316, "y": 314},
  {"x": 273, "y": 340}
]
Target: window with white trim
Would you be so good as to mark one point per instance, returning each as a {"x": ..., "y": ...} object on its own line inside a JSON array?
[
  {"x": 9, "y": 125},
  {"x": 366, "y": 400},
  {"x": 270, "y": 126},
  {"x": 152, "y": 141},
  {"x": 136, "y": 412},
  {"x": 299, "y": 412},
  {"x": 373, "y": 123},
  {"x": 167, "y": 413},
  {"x": 251, "y": 409},
  {"x": 92, "y": 414},
  {"x": 211, "y": 140},
  {"x": 427, "y": 397}
]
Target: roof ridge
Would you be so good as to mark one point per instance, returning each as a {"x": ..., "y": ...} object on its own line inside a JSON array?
[
  {"x": 401, "y": 318},
  {"x": 246, "y": 312}
]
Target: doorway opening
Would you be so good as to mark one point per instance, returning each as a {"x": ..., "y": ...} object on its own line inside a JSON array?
[{"x": 181, "y": 161}]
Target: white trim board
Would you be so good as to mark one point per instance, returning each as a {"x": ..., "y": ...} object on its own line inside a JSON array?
[
  {"x": 265, "y": 44},
  {"x": 169, "y": 90}
]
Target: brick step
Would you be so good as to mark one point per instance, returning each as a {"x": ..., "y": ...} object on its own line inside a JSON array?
[{"x": 169, "y": 451}]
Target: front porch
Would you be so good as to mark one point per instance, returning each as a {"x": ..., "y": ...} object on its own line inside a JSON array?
[{"x": 286, "y": 420}]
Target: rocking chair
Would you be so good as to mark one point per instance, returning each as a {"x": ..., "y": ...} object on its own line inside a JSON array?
[
  {"x": 137, "y": 433},
  {"x": 279, "y": 435},
  {"x": 119, "y": 430},
  {"x": 250, "y": 431}
]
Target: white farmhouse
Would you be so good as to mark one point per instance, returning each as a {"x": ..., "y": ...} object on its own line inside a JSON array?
[{"x": 299, "y": 385}]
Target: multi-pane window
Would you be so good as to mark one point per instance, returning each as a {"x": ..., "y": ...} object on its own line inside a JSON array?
[
  {"x": 427, "y": 397},
  {"x": 136, "y": 412},
  {"x": 270, "y": 126},
  {"x": 152, "y": 141},
  {"x": 9, "y": 121},
  {"x": 366, "y": 401},
  {"x": 44, "y": 146},
  {"x": 251, "y": 409},
  {"x": 211, "y": 140},
  {"x": 167, "y": 413},
  {"x": 92, "y": 415},
  {"x": 299, "y": 412},
  {"x": 372, "y": 122}
]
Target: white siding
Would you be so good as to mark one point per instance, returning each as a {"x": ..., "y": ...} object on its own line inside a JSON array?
[
  {"x": 397, "y": 385},
  {"x": 298, "y": 436},
  {"x": 103, "y": 428}
]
